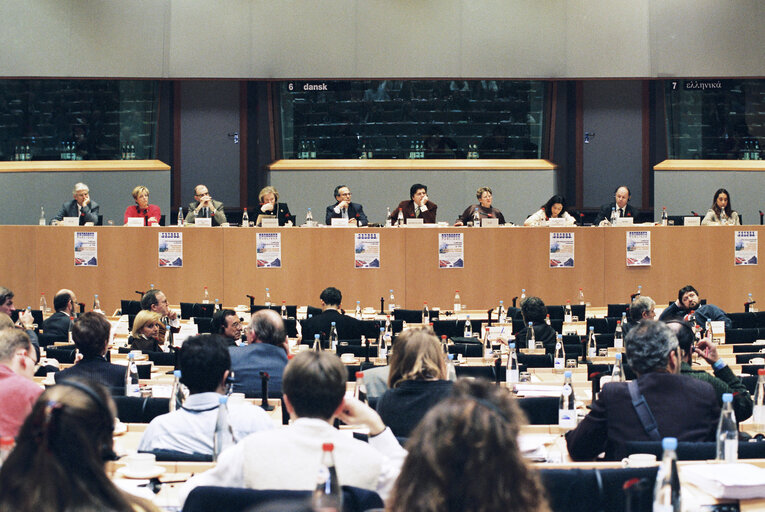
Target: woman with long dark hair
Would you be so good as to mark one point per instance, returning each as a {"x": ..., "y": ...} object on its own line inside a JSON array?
[
  {"x": 555, "y": 207},
  {"x": 721, "y": 213}
]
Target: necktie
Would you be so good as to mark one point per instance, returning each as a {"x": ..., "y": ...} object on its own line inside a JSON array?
[
  {"x": 416, "y": 211},
  {"x": 345, "y": 213},
  {"x": 205, "y": 212},
  {"x": 621, "y": 212}
]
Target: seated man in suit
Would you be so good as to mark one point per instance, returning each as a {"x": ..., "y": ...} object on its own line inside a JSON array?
[
  {"x": 58, "y": 323},
  {"x": 290, "y": 457},
  {"x": 533, "y": 310},
  {"x": 348, "y": 328},
  {"x": 681, "y": 406},
  {"x": 418, "y": 207},
  {"x": 345, "y": 209},
  {"x": 688, "y": 302},
  {"x": 204, "y": 363},
  {"x": 90, "y": 333},
  {"x": 226, "y": 323},
  {"x": 81, "y": 206},
  {"x": 266, "y": 351},
  {"x": 621, "y": 198},
  {"x": 156, "y": 301},
  {"x": 18, "y": 391},
  {"x": 205, "y": 206}
]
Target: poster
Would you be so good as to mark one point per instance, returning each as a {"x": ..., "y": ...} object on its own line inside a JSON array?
[
  {"x": 450, "y": 250},
  {"x": 366, "y": 250},
  {"x": 745, "y": 249},
  {"x": 170, "y": 249},
  {"x": 268, "y": 250},
  {"x": 85, "y": 249},
  {"x": 562, "y": 250},
  {"x": 638, "y": 248}
]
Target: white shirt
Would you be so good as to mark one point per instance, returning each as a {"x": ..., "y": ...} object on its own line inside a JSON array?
[{"x": 191, "y": 429}]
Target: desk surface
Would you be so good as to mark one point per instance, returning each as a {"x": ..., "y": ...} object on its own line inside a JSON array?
[
  {"x": 378, "y": 164},
  {"x": 83, "y": 165}
]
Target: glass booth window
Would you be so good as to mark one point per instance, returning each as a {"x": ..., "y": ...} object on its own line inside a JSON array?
[
  {"x": 412, "y": 119},
  {"x": 715, "y": 119},
  {"x": 78, "y": 119}
]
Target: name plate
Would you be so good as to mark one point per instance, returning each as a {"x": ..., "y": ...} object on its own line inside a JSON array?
[
  {"x": 269, "y": 222},
  {"x": 137, "y": 221},
  {"x": 70, "y": 221},
  {"x": 415, "y": 222},
  {"x": 692, "y": 221},
  {"x": 624, "y": 221},
  {"x": 489, "y": 222},
  {"x": 557, "y": 222},
  {"x": 203, "y": 222},
  {"x": 339, "y": 223}
]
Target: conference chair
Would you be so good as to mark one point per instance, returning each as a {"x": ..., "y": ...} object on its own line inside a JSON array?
[
  {"x": 540, "y": 410},
  {"x": 697, "y": 451},
  {"x": 535, "y": 360},
  {"x": 357, "y": 350},
  {"x": 291, "y": 309},
  {"x": 60, "y": 354},
  {"x": 312, "y": 311},
  {"x": 616, "y": 310},
  {"x": 413, "y": 316},
  {"x": 760, "y": 318},
  {"x": 134, "y": 409},
  {"x": 204, "y": 324},
  {"x": 195, "y": 309},
  {"x": 176, "y": 456},
  {"x": 745, "y": 358},
  {"x": 467, "y": 349},
  {"x": 49, "y": 339},
  {"x": 130, "y": 307},
  {"x": 741, "y": 335},
  {"x": 747, "y": 348},
  {"x": 743, "y": 320},
  {"x": 602, "y": 325}
]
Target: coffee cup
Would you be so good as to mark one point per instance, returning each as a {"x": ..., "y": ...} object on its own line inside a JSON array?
[
  {"x": 140, "y": 463},
  {"x": 639, "y": 460}
]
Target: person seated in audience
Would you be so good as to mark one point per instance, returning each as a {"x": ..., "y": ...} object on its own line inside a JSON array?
[
  {"x": 345, "y": 209},
  {"x": 145, "y": 334},
  {"x": 289, "y": 457},
  {"x": 682, "y": 407},
  {"x": 204, "y": 206},
  {"x": 469, "y": 435},
  {"x": 90, "y": 333},
  {"x": 18, "y": 391},
  {"x": 156, "y": 301},
  {"x": 348, "y": 328},
  {"x": 484, "y": 207},
  {"x": 25, "y": 321},
  {"x": 268, "y": 197},
  {"x": 205, "y": 366},
  {"x": 721, "y": 213},
  {"x": 642, "y": 308},
  {"x": 81, "y": 206},
  {"x": 417, "y": 380},
  {"x": 150, "y": 212},
  {"x": 227, "y": 324},
  {"x": 58, "y": 462},
  {"x": 554, "y": 208},
  {"x": 723, "y": 380},
  {"x": 623, "y": 209},
  {"x": 688, "y": 304},
  {"x": 437, "y": 145},
  {"x": 419, "y": 206},
  {"x": 266, "y": 351},
  {"x": 58, "y": 323},
  {"x": 533, "y": 310}
]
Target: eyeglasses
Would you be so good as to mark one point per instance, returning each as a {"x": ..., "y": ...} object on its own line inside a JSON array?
[{"x": 344, "y": 194}]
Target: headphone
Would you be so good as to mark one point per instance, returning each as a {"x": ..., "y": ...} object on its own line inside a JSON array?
[{"x": 107, "y": 450}]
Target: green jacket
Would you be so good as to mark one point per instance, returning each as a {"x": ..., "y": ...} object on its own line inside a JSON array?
[{"x": 725, "y": 381}]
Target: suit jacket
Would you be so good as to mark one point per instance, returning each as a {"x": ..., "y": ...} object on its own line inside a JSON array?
[
  {"x": 429, "y": 216},
  {"x": 282, "y": 213},
  {"x": 152, "y": 211},
  {"x": 348, "y": 328},
  {"x": 355, "y": 211},
  {"x": 57, "y": 325},
  {"x": 89, "y": 212},
  {"x": 605, "y": 212},
  {"x": 247, "y": 362},
  {"x": 218, "y": 219},
  {"x": 683, "y": 407},
  {"x": 97, "y": 369}
]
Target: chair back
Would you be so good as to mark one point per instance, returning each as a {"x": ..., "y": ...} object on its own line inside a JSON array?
[
  {"x": 134, "y": 409},
  {"x": 616, "y": 310},
  {"x": 204, "y": 324},
  {"x": 540, "y": 410},
  {"x": 130, "y": 307},
  {"x": 743, "y": 320},
  {"x": 588, "y": 490},
  {"x": 291, "y": 309},
  {"x": 535, "y": 360},
  {"x": 413, "y": 316},
  {"x": 741, "y": 335},
  {"x": 172, "y": 455},
  {"x": 356, "y": 350},
  {"x": 62, "y": 355},
  {"x": 696, "y": 451}
]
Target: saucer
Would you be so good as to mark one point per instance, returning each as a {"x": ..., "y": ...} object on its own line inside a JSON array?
[{"x": 153, "y": 473}]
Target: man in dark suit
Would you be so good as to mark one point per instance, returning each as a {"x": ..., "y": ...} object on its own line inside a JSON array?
[
  {"x": 623, "y": 209},
  {"x": 90, "y": 333},
  {"x": 81, "y": 206},
  {"x": 205, "y": 206},
  {"x": 266, "y": 351},
  {"x": 348, "y": 328},
  {"x": 345, "y": 209},
  {"x": 58, "y": 323},
  {"x": 226, "y": 323},
  {"x": 418, "y": 207},
  {"x": 682, "y": 407}
]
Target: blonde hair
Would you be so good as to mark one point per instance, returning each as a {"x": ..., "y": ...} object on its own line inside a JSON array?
[
  {"x": 142, "y": 318},
  {"x": 417, "y": 355},
  {"x": 138, "y": 190},
  {"x": 267, "y": 190},
  {"x": 480, "y": 191}
]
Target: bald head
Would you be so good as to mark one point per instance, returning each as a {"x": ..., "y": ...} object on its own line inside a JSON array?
[
  {"x": 64, "y": 300},
  {"x": 266, "y": 326}
]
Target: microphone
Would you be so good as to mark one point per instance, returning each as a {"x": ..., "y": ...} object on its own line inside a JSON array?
[
  {"x": 694, "y": 213},
  {"x": 252, "y": 300},
  {"x": 264, "y": 377},
  {"x": 139, "y": 292}
]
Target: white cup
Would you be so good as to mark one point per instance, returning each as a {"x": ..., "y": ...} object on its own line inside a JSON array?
[
  {"x": 639, "y": 460},
  {"x": 347, "y": 357},
  {"x": 757, "y": 360},
  {"x": 140, "y": 463}
]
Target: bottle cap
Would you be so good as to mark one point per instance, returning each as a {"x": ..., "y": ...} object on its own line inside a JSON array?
[
  {"x": 333, "y": 324},
  {"x": 222, "y": 399},
  {"x": 761, "y": 371},
  {"x": 727, "y": 398},
  {"x": 359, "y": 375},
  {"x": 316, "y": 336},
  {"x": 618, "y": 356},
  {"x": 512, "y": 345},
  {"x": 567, "y": 374},
  {"x": 7, "y": 441},
  {"x": 669, "y": 443},
  {"x": 327, "y": 447},
  {"x": 177, "y": 374}
]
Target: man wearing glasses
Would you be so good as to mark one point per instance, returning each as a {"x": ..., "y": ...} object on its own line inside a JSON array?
[
  {"x": 18, "y": 391},
  {"x": 204, "y": 206},
  {"x": 345, "y": 209},
  {"x": 81, "y": 206}
]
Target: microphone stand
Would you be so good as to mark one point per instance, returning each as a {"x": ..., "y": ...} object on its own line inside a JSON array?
[{"x": 264, "y": 378}]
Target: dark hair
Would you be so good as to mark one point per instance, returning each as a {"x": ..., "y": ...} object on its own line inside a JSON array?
[
  {"x": 533, "y": 309},
  {"x": 684, "y": 334},
  {"x": 219, "y": 320},
  {"x": 314, "y": 383},
  {"x": 556, "y": 199},
  {"x": 203, "y": 359},
  {"x": 684, "y": 290},
  {"x": 470, "y": 434},
  {"x": 5, "y": 294},
  {"x": 414, "y": 188},
  {"x": 418, "y": 356},
  {"x": 647, "y": 346},
  {"x": 268, "y": 327},
  {"x": 90, "y": 333},
  {"x": 337, "y": 189},
  {"x": 58, "y": 462},
  {"x": 61, "y": 300},
  {"x": 728, "y": 207},
  {"x": 629, "y": 193},
  {"x": 331, "y": 296},
  {"x": 149, "y": 299}
]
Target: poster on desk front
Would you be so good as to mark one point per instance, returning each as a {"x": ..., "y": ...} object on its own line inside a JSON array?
[
  {"x": 85, "y": 249},
  {"x": 562, "y": 250},
  {"x": 366, "y": 250},
  {"x": 268, "y": 250},
  {"x": 451, "y": 252},
  {"x": 638, "y": 248},
  {"x": 745, "y": 248},
  {"x": 170, "y": 249}
]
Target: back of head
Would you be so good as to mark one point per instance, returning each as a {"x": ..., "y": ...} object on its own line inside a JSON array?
[
  {"x": 472, "y": 433},
  {"x": 203, "y": 360},
  {"x": 418, "y": 356},
  {"x": 5, "y": 294},
  {"x": 639, "y": 306},
  {"x": 533, "y": 309},
  {"x": 683, "y": 331},
  {"x": 314, "y": 383},
  {"x": 149, "y": 299},
  {"x": 268, "y": 327},
  {"x": 142, "y": 318},
  {"x": 90, "y": 333},
  {"x": 331, "y": 296},
  {"x": 648, "y": 345},
  {"x": 61, "y": 300},
  {"x": 12, "y": 340}
]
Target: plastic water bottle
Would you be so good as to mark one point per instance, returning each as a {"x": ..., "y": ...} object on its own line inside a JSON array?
[
  {"x": 425, "y": 313},
  {"x": 523, "y": 295},
  {"x": 512, "y": 374},
  {"x": 388, "y": 220},
  {"x": 245, "y": 219},
  {"x": 502, "y": 313},
  {"x": 131, "y": 378},
  {"x": 224, "y": 434},
  {"x": 566, "y": 405},
  {"x": 664, "y": 220},
  {"x": 177, "y": 396},
  {"x": 391, "y": 303},
  {"x": 328, "y": 496},
  {"x": 559, "y": 358},
  {"x": 476, "y": 219},
  {"x": 617, "y": 374},
  {"x": 333, "y": 341},
  {"x": 727, "y": 431},
  {"x": 531, "y": 340},
  {"x": 43, "y": 303},
  {"x": 316, "y": 343},
  {"x": 581, "y": 297},
  {"x": 388, "y": 329},
  {"x": 42, "y": 216},
  {"x": 592, "y": 346},
  {"x": 751, "y": 302},
  {"x": 400, "y": 218},
  {"x": 267, "y": 302},
  {"x": 309, "y": 217},
  {"x": 179, "y": 221},
  {"x": 666, "y": 494},
  {"x": 382, "y": 345},
  {"x": 568, "y": 315},
  {"x": 758, "y": 416},
  {"x": 618, "y": 335},
  {"x": 468, "y": 332},
  {"x": 457, "y": 302},
  {"x": 358, "y": 310},
  {"x": 488, "y": 350},
  {"x": 96, "y": 304},
  {"x": 206, "y": 296},
  {"x": 613, "y": 216},
  {"x": 284, "y": 309},
  {"x": 359, "y": 389}
]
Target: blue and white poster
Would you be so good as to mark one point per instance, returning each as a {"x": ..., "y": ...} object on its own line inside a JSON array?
[
  {"x": 170, "y": 249},
  {"x": 268, "y": 250},
  {"x": 366, "y": 250},
  {"x": 638, "y": 248},
  {"x": 85, "y": 249},
  {"x": 745, "y": 249},
  {"x": 451, "y": 252},
  {"x": 562, "y": 250}
]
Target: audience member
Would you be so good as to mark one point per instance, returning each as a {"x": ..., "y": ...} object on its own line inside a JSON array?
[
  {"x": 345, "y": 209},
  {"x": 642, "y": 308},
  {"x": 145, "y": 333},
  {"x": 18, "y": 391},
  {"x": 621, "y": 198},
  {"x": 348, "y": 328},
  {"x": 81, "y": 206},
  {"x": 270, "y": 206},
  {"x": 25, "y": 321},
  {"x": 534, "y": 311},
  {"x": 205, "y": 366},
  {"x": 149, "y": 212},
  {"x": 554, "y": 208},
  {"x": 156, "y": 301},
  {"x": 688, "y": 304},
  {"x": 419, "y": 206},
  {"x": 227, "y": 324},
  {"x": 204, "y": 206},
  {"x": 266, "y": 351},
  {"x": 59, "y": 322},
  {"x": 484, "y": 207},
  {"x": 721, "y": 213}
]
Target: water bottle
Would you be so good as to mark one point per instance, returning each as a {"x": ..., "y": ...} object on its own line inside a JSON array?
[
  {"x": 468, "y": 332},
  {"x": 568, "y": 315},
  {"x": 206, "y": 296},
  {"x": 581, "y": 297},
  {"x": 224, "y": 434},
  {"x": 388, "y": 220},
  {"x": 333, "y": 341},
  {"x": 388, "y": 329},
  {"x": 457, "y": 302},
  {"x": 42, "y": 219},
  {"x": 284, "y": 309},
  {"x": 391, "y": 302},
  {"x": 328, "y": 496},
  {"x": 476, "y": 218},
  {"x": 425, "y": 314},
  {"x": 758, "y": 415},
  {"x": 559, "y": 358},
  {"x": 382, "y": 345},
  {"x": 502, "y": 313},
  {"x": 531, "y": 340},
  {"x": 727, "y": 431},
  {"x": 664, "y": 220},
  {"x": 316, "y": 343},
  {"x": 618, "y": 335},
  {"x": 751, "y": 302},
  {"x": 218, "y": 306},
  {"x": 488, "y": 350},
  {"x": 177, "y": 396},
  {"x": 309, "y": 217},
  {"x": 358, "y": 310},
  {"x": 245, "y": 219},
  {"x": 400, "y": 218},
  {"x": 566, "y": 405},
  {"x": 666, "y": 494},
  {"x": 613, "y": 216},
  {"x": 359, "y": 389},
  {"x": 43, "y": 303},
  {"x": 96, "y": 304},
  {"x": 617, "y": 374},
  {"x": 179, "y": 221},
  {"x": 512, "y": 374},
  {"x": 267, "y": 302},
  {"x": 131, "y": 378},
  {"x": 592, "y": 346},
  {"x": 547, "y": 320},
  {"x": 523, "y": 295}
]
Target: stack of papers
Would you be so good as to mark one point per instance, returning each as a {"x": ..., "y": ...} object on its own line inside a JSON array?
[{"x": 729, "y": 481}]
